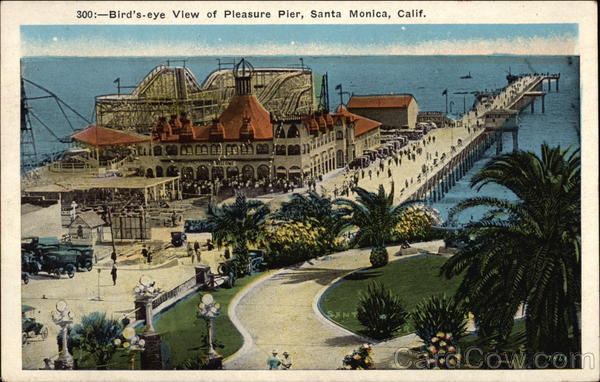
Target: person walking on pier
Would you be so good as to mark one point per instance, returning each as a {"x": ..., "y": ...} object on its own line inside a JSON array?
[{"x": 273, "y": 362}]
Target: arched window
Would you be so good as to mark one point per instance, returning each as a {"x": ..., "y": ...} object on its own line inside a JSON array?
[
  {"x": 201, "y": 149},
  {"x": 248, "y": 172},
  {"x": 202, "y": 173},
  {"x": 231, "y": 150},
  {"x": 172, "y": 171},
  {"x": 246, "y": 149},
  {"x": 187, "y": 150},
  {"x": 293, "y": 150},
  {"x": 232, "y": 172},
  {"x": 262, "y": 148},
  {"x": 215, "y": 149},
  {"x": 159, "y": 171},
  {"x": 217, "y": 173},
  {"x": 279, "y": 132},
  {"x": 157, "y": 151},
  {"x": 263, "y": 172},
  {"x": 293, "y": 132},
  {"x": 280, "y": 150},
  {"x": 171, "y": 150},
  {"x": 339, "y": 135}
]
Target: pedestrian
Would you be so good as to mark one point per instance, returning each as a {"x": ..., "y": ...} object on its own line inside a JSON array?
[
  {"x": 149, "y": 257},
  {"x": 113, "y": 256},
  {"x": 174, "y": 219},
  {"x": 113, "y": 273},
  {"x": 273, "y": 362},
  {"x": 196, "y": 247},
  {"x": 286, "y": 361},
  {"x": 145, "y": 252},
  {"x": 190, "y": 251},
  {"x": 370, "y": 175}
]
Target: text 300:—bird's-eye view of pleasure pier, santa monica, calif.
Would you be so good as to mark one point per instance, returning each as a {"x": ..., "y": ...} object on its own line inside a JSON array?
[{"x": 255, "y": 211}]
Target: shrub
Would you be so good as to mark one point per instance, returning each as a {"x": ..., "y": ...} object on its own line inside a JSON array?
[
  {"x": 292, "y": 242},
  {"x": 442, "y": 353},
  {"x": 360, "y": 359},
  {"x": 438, "y": 314},
  {"x": 380, "y": 311},
  {"x": 379, "y": 257},
  {"x": 414, "y": 225}
]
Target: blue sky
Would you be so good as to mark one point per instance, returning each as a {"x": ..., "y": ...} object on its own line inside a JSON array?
[{"x": 311, "y": 39}]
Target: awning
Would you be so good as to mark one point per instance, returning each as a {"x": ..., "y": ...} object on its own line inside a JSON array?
[{"x": 102, "y": 136}]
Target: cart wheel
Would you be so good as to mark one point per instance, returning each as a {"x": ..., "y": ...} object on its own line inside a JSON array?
[
  {"x": 44, "y": 333},
  {"x": 24, "y": 338},
  {"x": 88, "y": 266}
]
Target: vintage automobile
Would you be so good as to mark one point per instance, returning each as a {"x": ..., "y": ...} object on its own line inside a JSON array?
[
  {"x": 58, "y": 263},
  {"x": 232, "y": 268},
  {"x": 178, "y": 238},
  {"x": 38, "y": 247},
  {"x": 30, "y": 328}
]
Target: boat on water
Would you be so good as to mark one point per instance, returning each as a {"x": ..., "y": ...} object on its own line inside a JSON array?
[{"x": 466, "y": 77}]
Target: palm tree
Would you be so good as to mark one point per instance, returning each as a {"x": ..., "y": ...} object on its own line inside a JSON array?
[
  {"x": 318, "y": 211},
  {"x": 238, "y": 224},
  {"x": 376, "y": 216},
  {"x": 526, "y": 251},
  {"x": 95, "y": 335}
]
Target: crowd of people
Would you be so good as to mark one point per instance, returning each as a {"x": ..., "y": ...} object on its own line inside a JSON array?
[{"x": 227, "y": 187}]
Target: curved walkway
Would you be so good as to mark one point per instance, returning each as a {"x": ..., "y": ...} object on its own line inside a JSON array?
[{"x": 279, "y": 312}]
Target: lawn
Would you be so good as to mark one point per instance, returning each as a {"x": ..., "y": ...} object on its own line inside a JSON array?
[
  {"x": 183, "y": 332},
  {"x": 412, "y": 279}
]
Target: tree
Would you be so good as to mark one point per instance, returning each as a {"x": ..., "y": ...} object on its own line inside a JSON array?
[
  {"x": 317, "y": 210},
  {"x": 375, "y": 215},
  {"x": 526, "y": 251},
  {"x": 95, "y": 335},
  {"x": 238, "y": 224}
]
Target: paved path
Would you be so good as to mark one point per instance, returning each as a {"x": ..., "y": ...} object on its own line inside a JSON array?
[{"x": 278, "y": 312}]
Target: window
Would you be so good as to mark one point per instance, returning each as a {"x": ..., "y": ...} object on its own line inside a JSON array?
[
  {"x": 247, "y": 149},
  {"x": 171, "y": 150},
  {"x": 279, "y": 133},
  {"x": 293, "y": 150},
  {"x": 157, "y": 151},
  {"x": 339, "y": 135},
  {"x": 187, "y": 150},
  {"x": 262, "y": 148},
  {"x": 293, "y": 132},
  {"x": 215, "y": 149},
  {"x": 280, "y": 150},
  {"x": 201, "y": 149}
]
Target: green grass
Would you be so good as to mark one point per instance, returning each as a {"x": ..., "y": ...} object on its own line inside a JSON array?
[
  {"x": 183, "y": 332},
  {"x": 412, "y": 279}
]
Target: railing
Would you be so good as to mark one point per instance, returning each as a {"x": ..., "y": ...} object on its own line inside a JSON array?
[{"x": 181, "y": 288}]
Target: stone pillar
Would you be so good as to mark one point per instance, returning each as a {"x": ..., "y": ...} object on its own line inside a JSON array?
[{"x": 152, "y": 355}]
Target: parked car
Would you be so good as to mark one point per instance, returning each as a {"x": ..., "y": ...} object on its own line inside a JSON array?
[{"x": 30, "y": 328}]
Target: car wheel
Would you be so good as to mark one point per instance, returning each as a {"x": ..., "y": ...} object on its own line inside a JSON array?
[
  {"x": 57, "y": 274},
  {"x": 88, "y": 266},
  {"x": 25, "y": 279},
  {"x": 24, "y": 338},
  {"x": 70, "y": 273}
]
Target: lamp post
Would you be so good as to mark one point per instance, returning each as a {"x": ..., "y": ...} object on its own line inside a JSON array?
[
  {"x": 144, "y": 293},
  {"x": 62, "y": 318},
  {"x": 131, "y": 343},
  {"x": 208, "y": 310}
]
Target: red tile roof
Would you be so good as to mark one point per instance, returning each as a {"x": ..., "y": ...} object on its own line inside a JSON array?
[
  {"x": 103, "y": 136},
  {"x": 246, "y": 106},
  {"x": 380, "y": 101},
  {"x": 361, "y": 124}
]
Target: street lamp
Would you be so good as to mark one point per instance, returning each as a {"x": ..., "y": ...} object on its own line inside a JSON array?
[
  {"x": 62, "y": 318},
  {"x": 208, "y": 310},
  {"x": 131, "y": 343},
  {"x": 144, "y": 293}
]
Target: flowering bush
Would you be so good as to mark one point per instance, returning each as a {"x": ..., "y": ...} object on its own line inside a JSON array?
[
  {"x": 442, "y": 352},
  {"x": 415, "y": 223},
  {"x": 360, "y": 359},
  {"x": 292, "y": 242}
]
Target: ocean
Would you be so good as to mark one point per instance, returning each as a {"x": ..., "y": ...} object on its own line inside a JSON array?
[{"x": 78, "y": 80}]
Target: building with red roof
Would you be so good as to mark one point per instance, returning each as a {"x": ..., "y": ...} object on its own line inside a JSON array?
[{"x": 394, "y": 111}]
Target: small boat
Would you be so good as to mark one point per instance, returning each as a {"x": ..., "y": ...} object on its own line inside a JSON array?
[{"x": 466, "y": 77}]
